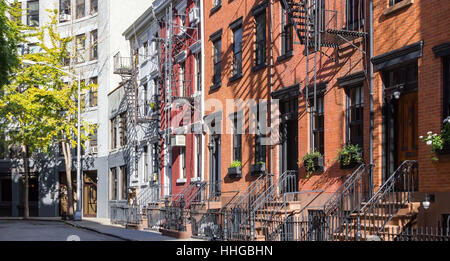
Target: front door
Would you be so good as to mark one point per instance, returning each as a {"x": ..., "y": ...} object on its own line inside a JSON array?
[
  {"x": 407, "y": 143},
  {"x": 90, "y": 194},
  {"x": 214, "y": 178},
  {"x": 289, "y": 142}
]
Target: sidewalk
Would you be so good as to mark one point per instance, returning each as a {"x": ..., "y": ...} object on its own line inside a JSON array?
[{"x": 104, "y": 226}]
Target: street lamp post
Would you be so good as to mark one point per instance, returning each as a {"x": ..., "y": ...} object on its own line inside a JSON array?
[{"x": 78, "y": 213}]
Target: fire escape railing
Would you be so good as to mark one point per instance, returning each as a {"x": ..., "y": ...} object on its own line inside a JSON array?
[{"x": 395, "y": 193}]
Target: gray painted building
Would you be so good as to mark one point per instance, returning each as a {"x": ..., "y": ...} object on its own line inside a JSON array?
[{"x": 100, "y": 23}]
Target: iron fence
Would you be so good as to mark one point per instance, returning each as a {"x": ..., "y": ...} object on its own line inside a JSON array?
[
  {"x": 122, "y": 213},
  {"x": 155, "y": 218},
  {"x": 417, "y": 234}
]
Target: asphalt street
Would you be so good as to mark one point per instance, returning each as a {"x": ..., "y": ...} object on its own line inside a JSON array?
[{"x": 20, "y": 230}]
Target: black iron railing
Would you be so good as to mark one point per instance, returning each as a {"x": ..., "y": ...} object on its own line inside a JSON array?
[
  {"x": 345, "y": 201},
  {"x": 395, "y": 193}
]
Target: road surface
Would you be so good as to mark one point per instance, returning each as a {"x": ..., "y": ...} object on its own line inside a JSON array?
[{"x": 33, "y": 230}]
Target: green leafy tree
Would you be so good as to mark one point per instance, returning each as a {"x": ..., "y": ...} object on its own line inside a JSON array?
[
  {"x": 9, "y": 39},
  {"x": 39, "y": 108}
]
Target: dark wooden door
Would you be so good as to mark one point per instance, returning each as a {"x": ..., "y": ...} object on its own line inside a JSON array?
[{"x": 407, "y": 127}]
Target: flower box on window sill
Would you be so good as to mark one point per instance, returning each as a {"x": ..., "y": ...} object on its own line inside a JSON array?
[
  {"x": 235, "y": 172},
  {"x": 319, "y": 164},
  {"x": 352, "y": 164},
  {"x": 258, "y": 169},
  {"x": 445, "y": 149}
]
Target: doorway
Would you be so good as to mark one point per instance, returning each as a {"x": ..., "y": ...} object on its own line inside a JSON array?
[
  {"x": 289, "y": 139},
  {"x": 90, "y": 194},
  {"x": 401, "y": 116},
  {"x": 214, "y": 174}
]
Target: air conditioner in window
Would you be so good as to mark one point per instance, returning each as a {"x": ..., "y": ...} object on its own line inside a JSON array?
[
  {"x": 179, "y": 140},
  {"x": 194, "y": 15},
  {"x": 64, "y": 17},
  {"x": 93, "y": 150}
]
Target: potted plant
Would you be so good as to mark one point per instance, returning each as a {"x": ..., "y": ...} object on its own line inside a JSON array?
[
  {"x": 235, "y": 169},
  {"x": 313, "y": 162},
  {"x": 440, "y": 143},
  {"x": 153, "y": 106},
  {"x": 349, "y": 156},
  {"x": 258, "y": 168}
]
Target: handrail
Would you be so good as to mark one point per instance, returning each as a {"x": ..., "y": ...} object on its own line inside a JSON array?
[
  {"x": 332, "y": 201},
  {"x": 396, "y": 191}
]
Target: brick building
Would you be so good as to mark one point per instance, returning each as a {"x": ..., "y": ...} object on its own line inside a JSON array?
[
  {"x": 411, "y": 51},
  {"x": 236, "y": 68}
]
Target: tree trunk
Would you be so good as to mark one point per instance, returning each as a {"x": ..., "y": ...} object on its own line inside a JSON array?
[
  {"x": 68, "y": 163},
  {"x": 26, "y": 168}
]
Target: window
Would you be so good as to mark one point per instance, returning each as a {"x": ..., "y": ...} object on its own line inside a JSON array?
[
  {"x": 145, "y": 46},
  {"x": 5, "y": 188},
  {"x": 237, "y": 138},
  {"x": 146, "y": 101},
  {"x": 260, "y": 149},
  {"x": 354, "y": 14},
  {"x": 80, "y": 9},
  {"x": 286, "y": 33},
  {"x": 355, "y": 101},
  {"x": 198, "y": 151},
  {"x": 155, "y": 159},
  {"x": 446, "y": 74},
  {"x": 33, "y": 13},
  {"x": 182, "y": 80},
  {"x": 114, "y": 133},
  {"x": 145, "y": 164},
  {"x": 64, "y": 7},
  {"x": 93, "y": 140},
  {"x": 217, "y": 62},
  {"x": 393, "y": 2},
  {"x": 123, "y": 129},
  {"x": 260, "y": 44},
  {"x": 123, "y": 183},
  {"x": 94, "y": 45},
  {"x": 113, "y": 183},
  {"x": 93, "y": 93},
  {"x": 81, "y": 45},
  {"x": 182, "y": 162},
  {"x": 94, "y": 6},
  {"x": 237, "y": 51},
  {"x": 317, "y": 125},
  {"x": 198, "y": 72}
]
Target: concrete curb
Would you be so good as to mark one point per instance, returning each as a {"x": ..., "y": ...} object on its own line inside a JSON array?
[{"x": 97, "y": 231}]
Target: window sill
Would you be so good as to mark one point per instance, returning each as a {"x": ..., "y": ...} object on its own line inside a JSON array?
[
  {"x": 196, "y": 179},
  {"x": 235, "y": 77},
  {"x": 285, "y": 56},
  {"x": 398, "y": 6},
  {"x": 215, "y": 9},
  {"x": 259, "y": 67},
  {"x": 181, "y": 181}
]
